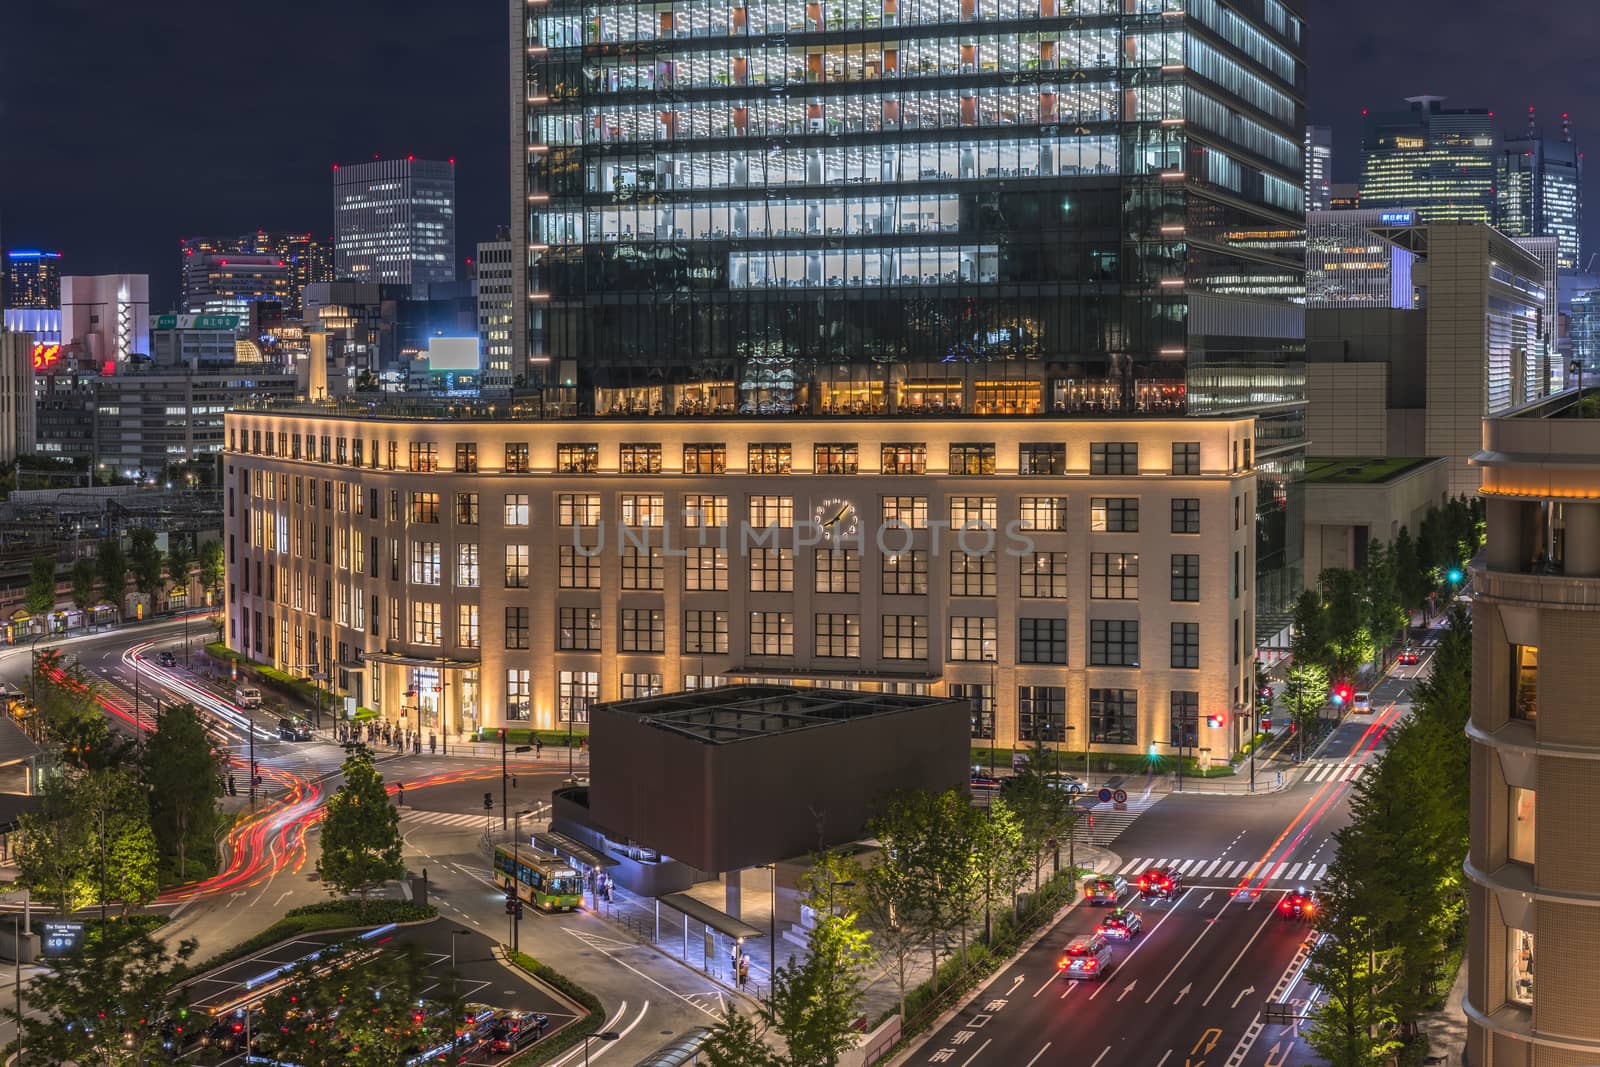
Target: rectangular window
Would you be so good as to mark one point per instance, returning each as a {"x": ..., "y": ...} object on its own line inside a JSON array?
[
  {"x": 771, "y": 633},
  {"x": 705, "y": 459},
  {"x": 1042, "y": 713},
  {"x": 702, "y": 510},
  {"x": 771, "y": 511},
  {"x": 578, "y": 509},
  {"x": 972, "y": 575},
  {"x": 639, "y": 459},
  {"x": 972, "y": 459},
  {"x": 770, "y": 458},
  {"x": 1525, "y": 682},
  {"x": 1186, "y": 646},
  {"x": 837, "y": 570},
  {"x": 771, "y": 570},
  {"x": 425, "y": 569},
  {"x": 575, "y": 692},
  {"x": 1043, "y": 575},
  {"x": 1113, "y": 642},
  {"x": 1113, "y": 716},
  {"x": 466, "y": 509},
  {"x": 466, "y": 566},
  {"x": 1186, "y": 577},
  {"x": 1114, "y": 457},
  {"x": 1186, "y": 457},
  {"x": 636, "y": 686},
  {"x": 1042, "y": 641},
  {"x": 1184, "y": 720},
  {"x": 1114, "y": 514},
  {"x": 516, "y": 627},
  {"x": 1519, "y": 968},
  {"x": 905, "y": 459},
  {"x": 1114, "y": 575},
  {"x": 1519, "y": 839},
  {"x": 1045, "y": 513},
  {"x": 577, "y": 458},
  {"x": 972, "y": 511},
  {"x": 519, "y": 696},
  {"x": 579, "y": 630},
  {"x": 516, "y": 509},
  {"x": 705, "y": 632},
  {"x": 1050, "y": 458},
  {"x": 426, "y": 624},
  {"x": 838, "y": 635},
  {"x": 425, "y": 507},
  {"x": 644, "y": 630},
  {"x": 467, "y": 625},
  {"x": 905, "y": 636},
  {"x": 836, "y": 459},
  {"x": 516, "y": 566},
  {"x": 644, "y": 509},
  {"x": 643, "y": 569},
  {"x": 705, "y": 570},
  {"x": 972, "y": 638},
  {"x": 906, "y": 573},
  {"x": 1185, "y": 515},
  {"x": 906, "y": 512},
  {"x": 981, "y": 697},
  {"x": 517, "y": 457},
  {"x": 466, "y": 457},
  {"x": 424, "y": 456},
  {"x": 575, "y": 570}
]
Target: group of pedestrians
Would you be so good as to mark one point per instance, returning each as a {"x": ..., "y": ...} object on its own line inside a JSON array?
[{"x": 398, "y": 736}]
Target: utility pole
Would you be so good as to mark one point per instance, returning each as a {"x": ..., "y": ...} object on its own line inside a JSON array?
[{"x": 504, "y": 781}]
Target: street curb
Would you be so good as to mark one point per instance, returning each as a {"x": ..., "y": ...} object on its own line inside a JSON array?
[
  {"x": 753, "y": 1000},
  {"x": 503, "y": 958},
  {"x": 918, "y": 1042}
]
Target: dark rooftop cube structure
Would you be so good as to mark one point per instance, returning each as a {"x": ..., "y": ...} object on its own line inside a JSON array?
[{"x": 743, "y": 775}]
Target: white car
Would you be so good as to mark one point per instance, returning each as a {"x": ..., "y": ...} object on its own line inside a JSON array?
[{"x": 1362, "y": 702}]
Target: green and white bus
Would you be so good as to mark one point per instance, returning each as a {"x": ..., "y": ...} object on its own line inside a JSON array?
[{"x": 541, "y": 879}]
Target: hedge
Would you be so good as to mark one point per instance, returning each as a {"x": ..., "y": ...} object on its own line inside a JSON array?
[
  {"x": 1105, "y": 762},
  {"x": 568, "y": 1036},
  {"x": 324, "y": 915},
  {"x": 522, "y": 735}
]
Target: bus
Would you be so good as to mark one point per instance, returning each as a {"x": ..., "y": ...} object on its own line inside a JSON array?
[{"x": 542, "y": 880}]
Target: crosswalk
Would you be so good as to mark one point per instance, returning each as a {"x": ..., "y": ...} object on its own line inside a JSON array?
[
  {"x": 412, "y": 817},
  {"x": 1104, "y": 823},
  {"x": 1283, "y": 872},
  {"x": 1334, "y": 771}
]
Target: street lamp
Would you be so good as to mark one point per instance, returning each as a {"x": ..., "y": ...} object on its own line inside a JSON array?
[
  {"x": 604, "y": 1035},
  {"x": 516, "y": 877},
  {"x": 453, "y": 935}
]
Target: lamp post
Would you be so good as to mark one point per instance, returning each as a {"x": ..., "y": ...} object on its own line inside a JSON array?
[
  {"x": 605, "y": 1035},
  {"x": 453, "y": 935},
  {"x": 516, "y": 878}
]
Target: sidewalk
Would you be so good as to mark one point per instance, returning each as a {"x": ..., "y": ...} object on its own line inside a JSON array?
[{"x": 1446, "y": 1029}]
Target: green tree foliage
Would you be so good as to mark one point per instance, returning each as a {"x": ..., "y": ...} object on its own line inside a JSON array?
[
  {"x": 148, "y": 563},
  {"x": 213, "y": 570},
  {"x": 1309, "y": 641},
  {"x": 1005, "y": 854},
  {"x": 180, "y": 564},
  {"x": 815, "y": 1000},
  {"x": 89, "y": 843},
  {"x": 112, "y": 564},
  {"x": 41, "y": 598},
  {"x": 1045, "y": 808},
  {"x": 105, "y": 1006},
  {"x": 1305, "y": 693},
  {"x": 84, "y": 581},
  {"x": 892, "y": 895},
  {"x": 355, "y": 1006},
  {"x": 69, "y": 716},
  {"x": 54, "y": 847},
  {"x": 360, "y": 832},
  {"x": 738, "y": 1040},
  {"x": 1411, "y": 577},
  {"x": 180, "y": 764},
  {"x": 1380, "y": 593}
]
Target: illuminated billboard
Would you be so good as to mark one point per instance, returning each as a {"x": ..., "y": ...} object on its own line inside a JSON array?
[
  {"x": 453, "y": 354},
  {"x": 46, "y": 357}
]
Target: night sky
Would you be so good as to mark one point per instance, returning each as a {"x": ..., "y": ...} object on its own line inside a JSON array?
[{"x": 126, "y": 126}]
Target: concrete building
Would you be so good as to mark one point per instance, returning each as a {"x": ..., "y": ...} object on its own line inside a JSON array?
[
  {"x": 395, "y": 223},
  {"x": 1440, "y": 161},
  {"x": 195, "y": 341},
  {"x": 227, "y": 283},
  {"x": 496, "y": 314},
  {"x": 525, "y": 569},
  {"x": 1351, "y": 503},
  {"x": 1319, "y": 168},
  {"x": 304, "y": 260},
  {"x": 106, "y": 317},
  {"x": 1351, "y": 264},
  {"x": 33, "y": 280},
  {"x": 148, "y": 417},
  {"x": 18, "y": 421},
  {"x": 1533, "y": 884}
]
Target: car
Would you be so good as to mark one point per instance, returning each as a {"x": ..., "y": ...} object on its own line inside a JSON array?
[
  {"x": 1120, "y": 925},
  {"x": 1104, "y": 889},
  {"x": 167, "y": 659},
  {"x": 1362, "y": 701},
  {"x": 478, "y": 1021},
  {"x": 1160, "y": 883},
  {"x": 518, "y": 1030},
  {"x": 294, "y": 730},
  {"x": 1408, "y": 657},
  {"x": 227, "y": 1034},
  {"x": 1087, "y": 958},
  {"x": 985, "y": 783},
  {"x": 1067, "y": 783},
  {"x": 1300, "y": 905}
]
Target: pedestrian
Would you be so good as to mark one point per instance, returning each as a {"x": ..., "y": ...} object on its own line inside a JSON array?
[
  {"x": 400, "y": 794},
  {"x": 538, "y": 747},
  {"x": 416, "y": 742},
  {"x": 744, "y": 971},
  {"x": 733, "y": 962},
  {"x": 433, "y": 743}
]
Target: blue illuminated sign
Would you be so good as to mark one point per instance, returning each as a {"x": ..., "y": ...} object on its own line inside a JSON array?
[{"x": 1397, "y": 218}]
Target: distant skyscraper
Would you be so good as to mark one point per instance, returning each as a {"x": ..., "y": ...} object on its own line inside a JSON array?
[
  {"x": 305, "y": 260},
  {"x": 495, "y": 308},
  {"x": 106, "y": 317},
  {"x": 1440, "y": 161},
  {"x": 1319, "y": 168},
  {"x": 1344, "y": 196},
  {"x": 395, "y": 222},
  {"x": 1539, "y": 186},
  {"x": 1351, "y": 264},
  {"x": 227, "y": 283},
  {"x": 33, "y": 279},
  {"x": 1586, "y": 331}
]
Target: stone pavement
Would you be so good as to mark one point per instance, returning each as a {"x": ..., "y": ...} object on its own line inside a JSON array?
[{"x": 1446, "y": 1028}]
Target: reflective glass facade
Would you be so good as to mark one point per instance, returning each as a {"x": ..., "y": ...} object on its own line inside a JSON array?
[
  {"x": 1540, "y": 194},
  {"x": 905, "y": 206},
  {"x": 1440, "y": 161}
]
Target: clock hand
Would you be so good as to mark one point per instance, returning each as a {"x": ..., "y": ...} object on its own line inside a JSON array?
[{"x": 837, "y": 515}]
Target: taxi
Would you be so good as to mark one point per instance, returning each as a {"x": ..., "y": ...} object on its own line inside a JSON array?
[
  {"x": 1087, "y": 959},
  {"x": 1104, "y": 889},
  {"x": 1120, "y": 925},
  {"x": 1300, "y": 905}
]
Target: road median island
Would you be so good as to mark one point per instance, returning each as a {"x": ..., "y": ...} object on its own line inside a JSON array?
[
  {"x": 591, "y": 1013},
  {"x": 324, "y": 917}
]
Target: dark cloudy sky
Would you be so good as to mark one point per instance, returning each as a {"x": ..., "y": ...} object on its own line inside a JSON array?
[{"x": 125, "y": 126}]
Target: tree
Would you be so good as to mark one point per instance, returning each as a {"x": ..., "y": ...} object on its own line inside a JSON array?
[
  {"x": 180, "y": 562},
  {"x": 1005, "y": 855},
  {"x": 815, "y": 1000},
  {"x": 54, "y": 849},
  {"x": 84, "y": 581},
  {"x": 360, "y": 832},
  {"x": 1305, "y": 692},
  {"x": 148, "y": 564},
  {"x": 180, "y": 767},
  {"x": 354, "y": 1007},
  {"x": 738, "y": 1040},
  {"x": 106, "y": 1005},
  {"x": 1411, "y": 578},
  {"x": 213, "y": 570},
  {"x": 1344, "y": 611},
  {"x": 1046, "y": 808},
  {"x": 1385, "y": 615},
  {"x": 1309, "y": 641},
  {"x": 41, "y": 598},
  {"x": 892, "y": 897},
  {"x": 113, "y": 567}
]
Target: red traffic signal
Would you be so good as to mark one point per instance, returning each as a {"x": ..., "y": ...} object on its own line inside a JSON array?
[
  {"x": 1216, "y": 722},
  {"x": 1266, "y": 722},
  {"x": 1341, "y": 694}
]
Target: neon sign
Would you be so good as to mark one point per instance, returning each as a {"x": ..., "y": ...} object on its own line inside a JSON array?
[{"x": 45, "y": 357}]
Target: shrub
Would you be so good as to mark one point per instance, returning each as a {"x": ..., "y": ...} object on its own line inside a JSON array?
[{"x": 571, "y": 1035}]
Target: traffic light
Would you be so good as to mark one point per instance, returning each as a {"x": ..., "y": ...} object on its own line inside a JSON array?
[
  {"x": 517, "y": 910},
  {"x": 1216, "y": 722},
  {"x": 1341, "y": 694},
  {"x": 1454, "y": 574},
  {"x": 1266, "y": 724},
  {"x": 488, "y": 801}
]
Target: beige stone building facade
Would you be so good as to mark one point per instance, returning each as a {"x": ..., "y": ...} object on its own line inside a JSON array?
[
  {"x": 1074, "y": 578},
  {"x": 1533, "y": 867}
]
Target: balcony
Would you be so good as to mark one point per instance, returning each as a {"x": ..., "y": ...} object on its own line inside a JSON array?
[{"x": 1545, "y": 586}]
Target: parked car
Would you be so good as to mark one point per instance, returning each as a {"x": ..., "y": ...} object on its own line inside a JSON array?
[{"x": 294, "y": 730}]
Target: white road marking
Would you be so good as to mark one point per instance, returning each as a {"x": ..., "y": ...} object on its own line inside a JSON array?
[
  {"x": 986, "y": 1043},
  {"x": 1100, "y": 1057},
  {"x": 1144, "y": 940},
  {"x": 1236, "y": 959},
  {"x": 1038, "y": 1054},
  {"x": 1192, "y": 946}
]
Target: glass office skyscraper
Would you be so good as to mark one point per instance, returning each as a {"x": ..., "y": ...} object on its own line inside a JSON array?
[
  {"x": 998, "y": 207},
  {"x": 1540, "y": 190},
  {"x": 395, "y": 222},
  {"x": 1439, "y": 161}
]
